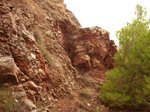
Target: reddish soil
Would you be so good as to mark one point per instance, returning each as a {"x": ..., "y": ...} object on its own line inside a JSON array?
[{"x": 86, "y": 98}]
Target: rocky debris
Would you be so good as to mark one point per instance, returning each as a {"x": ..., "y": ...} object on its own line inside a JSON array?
[
  {"x": 36, "y": 38},
  {"x": 19, "y": 95},
  {"x": 30, "y": 53},
  {"x": 29, "y": 105}
]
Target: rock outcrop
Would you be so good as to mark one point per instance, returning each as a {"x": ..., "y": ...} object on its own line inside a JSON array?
[
  {"x": 90, "y": 48},
  {"x": 40, "y": 44},
  {"x": 30, "y": 53}
]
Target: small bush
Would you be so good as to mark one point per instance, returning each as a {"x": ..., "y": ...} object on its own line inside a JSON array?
[
  {"x": 85, "y": 80},
  {"x": 50, "y": 10},
  {"x": 86, "y": 93},
  {"x": 40, "y": 42}
]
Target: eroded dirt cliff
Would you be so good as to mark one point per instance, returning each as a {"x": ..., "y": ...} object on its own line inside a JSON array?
[{"x": 41, "y": 43}]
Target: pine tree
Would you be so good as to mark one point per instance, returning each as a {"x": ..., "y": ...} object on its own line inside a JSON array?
[{"x": 128, "y": 84}]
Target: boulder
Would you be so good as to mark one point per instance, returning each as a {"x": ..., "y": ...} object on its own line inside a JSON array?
[
  {"x": 8, "y": 70},
  {"x": 29, "y": 105}
]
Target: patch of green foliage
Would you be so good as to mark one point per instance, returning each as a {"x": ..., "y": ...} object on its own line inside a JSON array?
[
  {"x": 40, "y": 42},
  {"x": 86, "y": 93},
  {"x": 6, "y": 100},
  {"x": 128, "y": 84}
]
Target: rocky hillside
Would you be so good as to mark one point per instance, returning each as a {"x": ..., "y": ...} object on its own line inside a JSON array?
[{"x": 41, "y": 45}]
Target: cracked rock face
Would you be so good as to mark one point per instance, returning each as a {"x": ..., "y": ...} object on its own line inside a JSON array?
[
  {"x": 40, "y": 44},
  {"x": 30, "y": 52},
  {"x": 90, "y": 48}
]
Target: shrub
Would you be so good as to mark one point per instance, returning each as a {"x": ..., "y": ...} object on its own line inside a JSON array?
[
  {"x": 40, "y": 42},
  {"x": 86, "y": 93},
  {"x": 128, "y": 84}
]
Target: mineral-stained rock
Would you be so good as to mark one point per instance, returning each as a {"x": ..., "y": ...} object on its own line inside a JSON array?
[
  {"x": 8, "y": 70},
  {"x": 30, "y": 50},
  {"x": 90, "y": 48},
  {"x": 40, "y": 42}
]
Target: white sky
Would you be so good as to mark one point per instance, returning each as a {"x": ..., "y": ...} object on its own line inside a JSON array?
[{"x": 110, "y": 15}]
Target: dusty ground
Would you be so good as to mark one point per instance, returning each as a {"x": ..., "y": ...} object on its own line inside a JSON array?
[
  {"x": 83, "y": 100},
  {"x": 86, "y": 98}
]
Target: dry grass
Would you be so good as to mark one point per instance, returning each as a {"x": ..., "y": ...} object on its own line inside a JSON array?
[
  {"x": 40, "y": 42},
  {"x": 7, "y": 102},
  {"x": 86, "y": 93}
]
